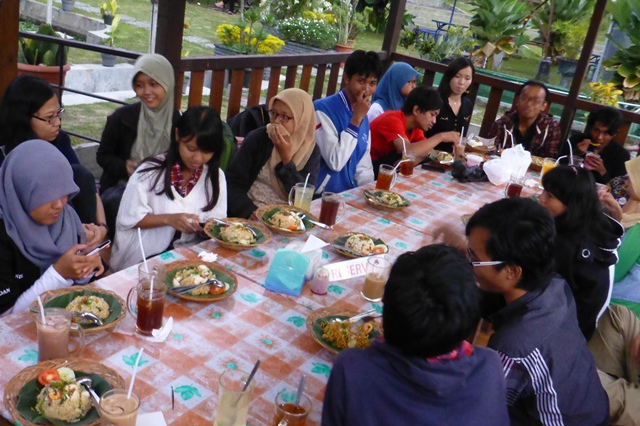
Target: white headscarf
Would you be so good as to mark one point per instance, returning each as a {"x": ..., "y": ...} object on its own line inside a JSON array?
[{"x": 154, "y": 125}]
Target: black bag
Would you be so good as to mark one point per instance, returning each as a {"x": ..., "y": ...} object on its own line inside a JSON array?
[{"x": 250, "y": 119}]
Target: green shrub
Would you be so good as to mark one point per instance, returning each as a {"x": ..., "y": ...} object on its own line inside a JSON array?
[{"x": 307, "y": 31}]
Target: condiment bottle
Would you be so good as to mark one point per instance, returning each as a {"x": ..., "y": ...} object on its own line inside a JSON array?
[{"x": 320, "y": 282}]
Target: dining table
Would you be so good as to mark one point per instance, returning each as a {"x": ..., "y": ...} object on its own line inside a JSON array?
[{"x": 255, "y": 323}]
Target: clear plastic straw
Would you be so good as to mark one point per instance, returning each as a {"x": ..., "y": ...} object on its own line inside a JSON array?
[
  {"x": 570, "y": 153},
  {"x": 135, "y": 370},
  {"x": 461, "y": 133},
  {"x": 306, "y": 181},
  {"x": 404, "y": 145},
  {"x": 303, "y": 380},
  {"x": 324, "y": 183},
  {"x": 144, "y": 258},
  {"x": 44, "y": 321}
]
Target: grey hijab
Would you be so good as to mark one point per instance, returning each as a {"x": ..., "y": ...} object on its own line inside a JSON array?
[
  {"x": 154, "y": 125},
  {"x": 33, "y": 174}
]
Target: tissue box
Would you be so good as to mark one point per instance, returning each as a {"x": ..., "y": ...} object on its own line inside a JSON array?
[{"x": 286, "y": 273}]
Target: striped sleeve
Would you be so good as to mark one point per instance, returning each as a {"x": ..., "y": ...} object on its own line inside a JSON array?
[{"x": 532, "y": 371}]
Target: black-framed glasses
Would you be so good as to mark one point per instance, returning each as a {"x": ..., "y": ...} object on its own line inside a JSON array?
[
  {"x": 283, "y": 118},
  {"x": 51, "y": 120},
  {"x": 485, "y": 263}
]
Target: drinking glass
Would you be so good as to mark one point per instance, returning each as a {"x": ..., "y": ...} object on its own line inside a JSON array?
[
  {"x": 514, "y": 187},
  {"x": 287, "y": 414},
  {"x": 406, "y": 167},
  {"x": 151, "y": 292},
  {"x": 53, "y": 334},
  {"x": 301, "y": 195},
  {"x": 386, "y": 177},
  {"x": 547, "y": 164},
  {"x": 118, "y": 410},
  {"x": 377, "y": 273},
  {"x": 233, "y": 402},
  {"x": 331, "y": 203}
]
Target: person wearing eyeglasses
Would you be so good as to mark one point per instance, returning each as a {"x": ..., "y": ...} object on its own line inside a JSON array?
[
  {"x": 393, "y": 88},
  {"x": 272, "y": 159},
  {"x": 550, "y": 374},
  {"x": 528, "y": 124},
  {"x": 30, "y": 109}
]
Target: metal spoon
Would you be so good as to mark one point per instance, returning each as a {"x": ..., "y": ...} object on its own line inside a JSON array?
[
  {"x": 187, "y": 288},
  {"x": 86, "y": 383},
  {"x": 89, "y": 317},
  {"x": 303, "y": 216}
]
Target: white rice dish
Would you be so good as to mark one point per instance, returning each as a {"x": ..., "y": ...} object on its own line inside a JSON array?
[
  {"x": 68, "y": 402},
  {"x": 390, "y": 199},
  {"x": 237, "y": 233},
  {"x": 193, "y": 275},
  {"x": 93, "y": 304},
  {"x": 360, "y": 243},
  {"x": 286, "y": 219}
]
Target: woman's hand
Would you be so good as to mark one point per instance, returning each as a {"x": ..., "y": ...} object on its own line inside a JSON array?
[
  {"x": 185, "y": 223},
  {"x": 282, "y": 142},
  {"x": 73, "y": 265},
  {"x": 132, "y": 166},
  {"x": 610, "y": 204},
  {"x": 450, "y": 137},
  {"x": 94, "y": 234}
]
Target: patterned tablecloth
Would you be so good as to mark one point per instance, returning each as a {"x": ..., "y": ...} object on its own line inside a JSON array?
[{"x": 254, "y": 323}]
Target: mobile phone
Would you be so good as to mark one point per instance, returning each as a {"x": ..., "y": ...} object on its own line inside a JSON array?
[{"x": 91, "y": 251}]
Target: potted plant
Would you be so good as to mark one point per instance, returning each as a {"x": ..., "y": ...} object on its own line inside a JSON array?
[
  {"x": 347, "y": 22},
  {"x": 67, "y": 5},
  {"x": 108, "y": 11},
  {"x": 312, "y": 32},
  {"x": 569, "y": 39},
  {"x": 498, "y": 27},
  {"x": 626, "y": 61},
  {"x": 43, "y": 58},
  {"x": 109, "y": 60},
  {"x": 605, "y": 94},
  {"x": 243, "y": 38}
]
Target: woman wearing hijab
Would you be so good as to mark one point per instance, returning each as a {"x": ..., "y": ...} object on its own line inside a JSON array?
[
  {"x": 272, "y": 159},
  {"x": 40, "y": 234},
  {"x": 170, "y": 194},
  {"x": 393, "y": 88},
  {"x": 135, "y": 132}
]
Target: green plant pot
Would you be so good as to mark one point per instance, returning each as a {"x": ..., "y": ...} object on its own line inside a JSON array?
[
  {"x": 107, "y": 19},
  {"x": 67, "y": 5},
  {"x": 108, "y": 60}
]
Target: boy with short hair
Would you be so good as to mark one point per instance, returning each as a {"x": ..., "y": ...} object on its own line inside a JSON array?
[
  {"x": 423, "y": 373},
  {"x": 342, "y": 132},
  {"x": 550, "y": 374}
]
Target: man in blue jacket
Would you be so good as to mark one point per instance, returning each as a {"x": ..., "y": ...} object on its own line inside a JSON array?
[
  {"x": 424, "y": 372},
  {"x": 342, "y": 132},
  {"x": 550, "y": 374}
]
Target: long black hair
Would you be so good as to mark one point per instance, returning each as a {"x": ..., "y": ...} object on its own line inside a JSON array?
[
  {"x": 576, "y": 188},
  {"x": 454, "y": 67},
  {"x": 205, "y": 125},
  {"x": 24, "y": 96}
]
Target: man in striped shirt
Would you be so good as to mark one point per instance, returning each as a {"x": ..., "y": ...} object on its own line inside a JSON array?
[{"x": 550, "y": 374}]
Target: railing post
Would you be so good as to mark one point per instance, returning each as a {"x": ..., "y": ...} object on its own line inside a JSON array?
[
  {"x": 392, "y": 32},
  {"x": 9, "y": 18}
]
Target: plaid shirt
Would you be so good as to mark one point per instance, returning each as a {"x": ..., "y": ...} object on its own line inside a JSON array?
[
  {"x": 546, "y": 136},
  {"x": 176, "y": 179}
]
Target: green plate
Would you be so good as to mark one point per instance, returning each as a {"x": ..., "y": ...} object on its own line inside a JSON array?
[
  {"x": 63, "y": 300},
  {"x": 221, "y": 275},
  {"x": 317, "y": 332},
  {"x": 267, "y": 215},
  {"x": 340, "y": 245},
  {"x": 260, "y": 237},
  {"x": 29, "y": 392}
]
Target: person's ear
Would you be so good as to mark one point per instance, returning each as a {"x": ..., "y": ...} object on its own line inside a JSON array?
[
  {"x": 514, "y": 273},
  {"x": 416, "y": 110}
]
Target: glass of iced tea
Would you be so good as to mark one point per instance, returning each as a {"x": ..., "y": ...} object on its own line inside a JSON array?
[
  {"x": 514, "y": 187},
  {"x": 287, "y": 413},
  {"x": 151, "y": 291},
  {"x": 329, "y": 208},
  {"x": 378, "y": 268},
  {"x": 386, "y": 177},
  {"x": 408, "y": 161}
]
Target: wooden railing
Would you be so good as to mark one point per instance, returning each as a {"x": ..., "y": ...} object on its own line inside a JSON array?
[{"x": 327, "y": 73}]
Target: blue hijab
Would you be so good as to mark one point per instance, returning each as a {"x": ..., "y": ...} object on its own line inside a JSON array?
[{"x": 388, "y": 90}]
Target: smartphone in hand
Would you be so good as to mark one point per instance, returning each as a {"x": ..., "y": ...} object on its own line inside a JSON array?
[{"x": 90, "y": 251}]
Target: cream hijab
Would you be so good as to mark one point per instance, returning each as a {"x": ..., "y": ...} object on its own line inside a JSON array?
[
  {"x": 154, "y": 125},
  {"x": 304, "y": 116},
  {"x": 631, "y": 211}
]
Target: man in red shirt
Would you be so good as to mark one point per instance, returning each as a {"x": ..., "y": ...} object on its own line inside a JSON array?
[{"x": 392, "y": 130}]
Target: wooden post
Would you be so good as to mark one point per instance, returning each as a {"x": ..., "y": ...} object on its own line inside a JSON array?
[
  {"x": 569, "y": 110},
  {"x": 392, "y": 32},
  {"x": 9, "y": 18},
  {"x": 171, "y": 15}
]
